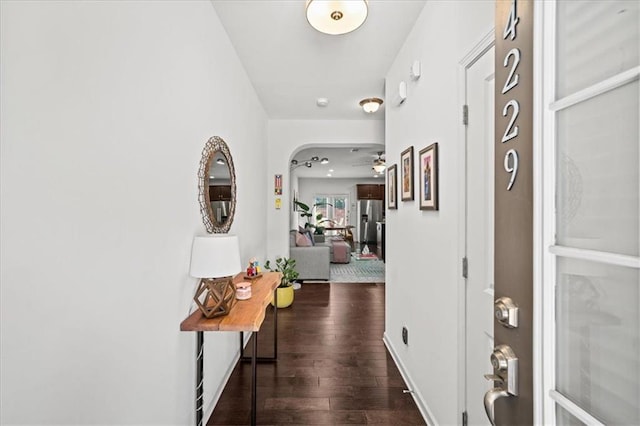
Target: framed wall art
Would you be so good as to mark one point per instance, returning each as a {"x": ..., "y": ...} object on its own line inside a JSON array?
[
  {"x": 428, "y": 164},
  {"x": 406, "y": 162},
  {"x": 392, "y": 187}
]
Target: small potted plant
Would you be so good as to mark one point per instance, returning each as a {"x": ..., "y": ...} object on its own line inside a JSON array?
[{"x": 289, "y": 275}]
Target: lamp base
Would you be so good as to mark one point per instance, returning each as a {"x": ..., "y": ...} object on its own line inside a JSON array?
[{"x": 215, "y": 296}]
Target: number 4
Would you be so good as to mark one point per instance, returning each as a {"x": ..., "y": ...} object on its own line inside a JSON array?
[{"x": 512, "y": 21}]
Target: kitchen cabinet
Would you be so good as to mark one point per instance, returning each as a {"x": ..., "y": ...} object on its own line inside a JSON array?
[
  {"x": 220, "y": 193},
  {"x": 370, "y": 192}
]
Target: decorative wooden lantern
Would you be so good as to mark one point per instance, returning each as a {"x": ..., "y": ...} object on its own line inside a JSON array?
[{"x": 215, "y": 297}]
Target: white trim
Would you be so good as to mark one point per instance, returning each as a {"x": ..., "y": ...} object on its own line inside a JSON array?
[
  {"x": 427, "y": 414},
  {"x": 548, "y": 264},
  {"x": 597, "y": 89},
  {"x": 477, "y": 51},
  {"x": 596, "y": 256},
  {"x": 538, "y": 215},
  {"x": 574, "y": 409}
]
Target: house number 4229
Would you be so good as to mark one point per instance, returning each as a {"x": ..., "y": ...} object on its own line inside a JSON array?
[{"x": 512, "y": 107}]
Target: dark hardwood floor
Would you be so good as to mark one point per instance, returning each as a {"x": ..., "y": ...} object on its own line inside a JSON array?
[{"x": 332, "y": 368}]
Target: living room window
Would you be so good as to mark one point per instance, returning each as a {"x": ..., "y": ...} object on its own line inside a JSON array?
[{"x": 334, "y": 208}]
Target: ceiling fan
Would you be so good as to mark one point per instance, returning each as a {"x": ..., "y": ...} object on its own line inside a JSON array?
[{"x": 379, "y": 164}]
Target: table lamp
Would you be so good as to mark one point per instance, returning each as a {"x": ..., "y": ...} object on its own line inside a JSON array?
[{"x": 215, "y": 259}]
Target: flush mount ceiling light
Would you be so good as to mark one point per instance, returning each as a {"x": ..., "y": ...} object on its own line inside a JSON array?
[
  {"x": 308, "y": 163},
  {"x": 336, "y": 17},
  {"x": 370, "y": 105}
]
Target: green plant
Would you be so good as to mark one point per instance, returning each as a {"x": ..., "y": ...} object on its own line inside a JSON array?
[
  {"x": 307, "y": 214},
  {"x": 288, "y": 269}
]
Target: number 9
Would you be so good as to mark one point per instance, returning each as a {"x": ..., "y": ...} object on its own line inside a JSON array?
[{"x": 513, "y": 168}]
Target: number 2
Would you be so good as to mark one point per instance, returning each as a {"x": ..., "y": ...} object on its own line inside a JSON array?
[
  {"x": 512, "y": 21},
  {"x": 511, "y": 132},
  {"x": 512, "y": 80}
]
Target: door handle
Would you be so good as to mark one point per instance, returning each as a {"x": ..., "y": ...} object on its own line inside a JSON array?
[
  {"x": 505, "y": 376},
  {"x": 489, "y": 399}
]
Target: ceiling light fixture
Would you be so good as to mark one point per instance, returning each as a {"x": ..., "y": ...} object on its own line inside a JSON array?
[
  {"x": 308, "y": 163},
  {"x": 378, "y": 164},
  {"x": 379, "y": 167},
  {"x": 335, "y": 17},
  {"x": 370, "y": 105}
]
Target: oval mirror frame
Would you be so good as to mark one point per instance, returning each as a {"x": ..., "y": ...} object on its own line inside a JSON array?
[{"x": 215, "y": 145}]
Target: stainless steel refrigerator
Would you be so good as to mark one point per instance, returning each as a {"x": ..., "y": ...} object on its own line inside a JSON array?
[{"x": 369, "y": 212}]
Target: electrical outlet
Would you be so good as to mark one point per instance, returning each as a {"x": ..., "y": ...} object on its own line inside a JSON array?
[{"x": 405, "y": 335}]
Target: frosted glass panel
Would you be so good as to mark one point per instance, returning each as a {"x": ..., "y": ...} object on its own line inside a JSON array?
[
  {"x": 596, "y": 40},
  {"x": 597, "y": 166},
  {"x": 598, "y": 339},
  {"x": 564, "y": 418}
]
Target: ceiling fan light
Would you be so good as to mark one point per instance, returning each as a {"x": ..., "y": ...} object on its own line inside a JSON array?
[
  {"x": 370, "y": 105},
  {"x": 379, "y": 168},
  {"x": 336, "y": 17}
]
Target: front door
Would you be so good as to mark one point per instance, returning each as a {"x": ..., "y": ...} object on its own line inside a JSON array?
[{"x": 510, "y": 401}]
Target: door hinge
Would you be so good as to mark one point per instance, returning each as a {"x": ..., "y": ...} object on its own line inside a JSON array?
[
  {"x": 465, "y": 419},
  {"x": 465, "y": 268},
  {"x": 465, "y": 114}
]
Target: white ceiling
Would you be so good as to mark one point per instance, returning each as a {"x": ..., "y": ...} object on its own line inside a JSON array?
[
  {"x": 343, "y": 162},
  {"x": 291, "y": 64}
]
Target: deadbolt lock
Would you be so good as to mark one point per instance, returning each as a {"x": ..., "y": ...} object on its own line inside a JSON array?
[{"x": 506, "y": 312}]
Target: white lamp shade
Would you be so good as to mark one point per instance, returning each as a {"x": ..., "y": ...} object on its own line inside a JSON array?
[
  {"x": 336, "y": 16},
  {"x": 379, "y": 167},
  {"x": 215, "y": 256}
]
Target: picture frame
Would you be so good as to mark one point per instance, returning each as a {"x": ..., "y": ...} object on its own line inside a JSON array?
[
  {"x": 428, "y": 186},
  {"x": 392, "y": 187},
  {"x": 406, "y": 181}
]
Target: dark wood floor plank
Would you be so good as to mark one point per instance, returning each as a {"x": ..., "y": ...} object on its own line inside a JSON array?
[{"x": 333, "y": 367}]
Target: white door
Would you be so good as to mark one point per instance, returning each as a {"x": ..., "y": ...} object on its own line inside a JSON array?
[
  {"x": 479, "y": 235},
  {"x": 591, "y": 247}
]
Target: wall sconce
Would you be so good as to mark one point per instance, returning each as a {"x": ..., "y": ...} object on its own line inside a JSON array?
[
  {"x": 370, "y": 105},
  {"x": 215, "y": 259},
  {"x": 335, "y": 17}
]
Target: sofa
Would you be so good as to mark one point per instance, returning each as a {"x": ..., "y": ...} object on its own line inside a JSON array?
[{"x": 312, "y": 263}]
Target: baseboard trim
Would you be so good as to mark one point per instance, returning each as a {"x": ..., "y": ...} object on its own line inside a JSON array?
[
  {"x": 208, "y": 411},
  {"x": 427, "y": 414}
]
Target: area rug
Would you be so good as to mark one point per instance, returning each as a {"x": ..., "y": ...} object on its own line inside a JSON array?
[{"x": 358, "y": 271}]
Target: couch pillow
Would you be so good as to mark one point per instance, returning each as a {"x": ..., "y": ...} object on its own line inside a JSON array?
[
  {"x": 302, "y": 240},
  {"x": 309, "y": 236}
]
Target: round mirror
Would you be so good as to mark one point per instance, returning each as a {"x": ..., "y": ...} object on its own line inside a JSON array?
[{"x": 217, "y": 185}]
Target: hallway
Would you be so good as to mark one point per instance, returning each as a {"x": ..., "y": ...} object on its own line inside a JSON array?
[{"x": 333, "y": 367}]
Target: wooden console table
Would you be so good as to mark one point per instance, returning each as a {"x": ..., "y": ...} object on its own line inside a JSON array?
[{"x": 245, "y": 315}]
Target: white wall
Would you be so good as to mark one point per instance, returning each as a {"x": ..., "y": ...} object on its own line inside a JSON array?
[
  {"x": 105, "y": 109},
  {"x": 285, "y": 138},
  {"x": 309, "y": 187},
  {"x": 422, "y": 256}
]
